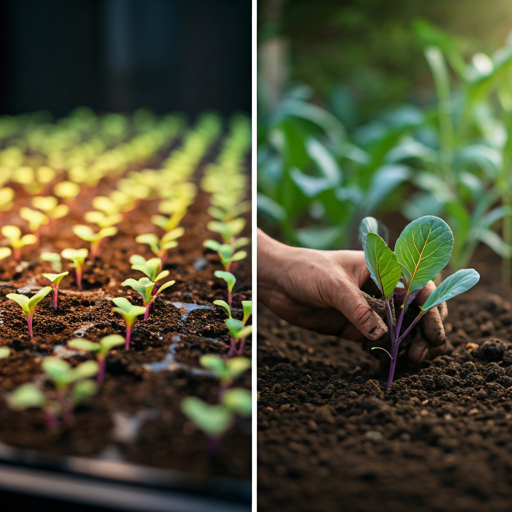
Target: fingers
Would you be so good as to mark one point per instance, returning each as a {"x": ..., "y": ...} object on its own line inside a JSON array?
[
  {"x": 433, "y": 328},
  {"x": 443, "y": 310},
  {"x": 352, "y": 304},
  {"x": 418, "y": 351}
]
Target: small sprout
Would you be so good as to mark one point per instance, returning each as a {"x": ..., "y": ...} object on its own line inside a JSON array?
[
  {"x": 102, "y": 220},
  {"x": 71, "y": 387},
  {"x": 55, "y": 279},
  {"x": 130, "y": 313},
  {"x": 13, "y": 234},
  {"x": 106, "y": 205},
  {"x": 169, "y": 223},
  {"x": 160, "y": 247},
  {"x": 149, "y": 267},
  {"x": 146, "y": 289},
  {"x": 247, "y": 307},
  {"x": 50, "y": 205},
  {"x": 54, "y": 259},
  {"x": 101, "y": 349},
  {"x": 228, "y": 230},
  {"x": 227, "y": 253},
  {"x": 230, "y": 281},
  {"x": 225, "y": 305},
  {"x": 5, "y": 352},
  {"x": 34, "y": 218},
  {"x": 226, "y": 371},
  {"x": 77, "y": 256},
  {"x": 66, "y": 190},
  {"x": 86, "y": 233},
  {"x": 29, "y": 305},
  {"x": 238, "y": 331}
]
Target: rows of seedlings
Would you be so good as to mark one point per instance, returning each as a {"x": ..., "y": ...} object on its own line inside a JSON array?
[{"x": 125, "y": 296}]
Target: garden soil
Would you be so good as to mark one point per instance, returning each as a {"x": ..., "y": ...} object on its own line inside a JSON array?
[
  {"x": 330, "y": 438},
  {"x": 136, "y": 416}
]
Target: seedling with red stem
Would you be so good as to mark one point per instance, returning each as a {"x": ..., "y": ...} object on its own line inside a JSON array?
[
  {"x": 13, "y": 234},
  {"x": 86, "y": 233},
  {"x": 55, "y": 279},
  {"x": 130, "y": 313},
  {"x": 29, "y": 305},
  {"x": 230, "y": 281},
  {"x": 146, "y": 289},
  {"x": 161, "y": 246},
  {"x": 77, "y": 257}
]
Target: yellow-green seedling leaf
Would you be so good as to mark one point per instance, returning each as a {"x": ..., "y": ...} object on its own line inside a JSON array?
[
  {"x": 20, "y": 299},
  {"x": 234, "y": 326},
  {"x": 228, "y": 277},
  {"x": 84, "y": 232},
  {"x": 239, "y": 401},
  {"x": 4, "y": 352},
  {"x": 13, "y": 234},
  {"x": 59, "y": 212},
  {"x": 137, "y": 259},
  {"x": 6, "y": 198},
  {"x": 161, "y": 276},
  {"x": 56, "y": 278},
  {"x": 423, "y": 250},
  {"x": 243, "y": 333},
  {"x": 247, "y": 307},
  {"x": 45, "y": 175},
  {"x": 25, "y": 396},
  {"x": 127, "y": 310},
  {"x": 83, "y": 371},
  {"x": 150, "y": 268},
  {"x": 216, "y": 365},
  {"x": 34, "y": 218},
  {"x": 5, "y": 252},
  {"x": 237, "y": 366},
  {"x": 149, "y": 239},
  {"x": 240, "y": 255},
  {"x": 75, "y": 255},
  {"x": 165, "y": 286},
  {"x": 102, "y": 220},
  {"x": 212, "y": 245},
  {"x": 240, "y": 242},
  {"x": 225, "y": 305},
  {"x": 82, "y": 344},
  {"x": 144, "y": 287},
  {"x": 66, "y": 190},
  {"x": 457, "y": 283},
  {"x": 45, "y": 203},
  {"x": 171, "y": 236},
  {"x": 38, "y": 297},
  {"x": 213, "y": 420},
  {"x": 57, "y": 369},
  {"x": 83, "y": 390},
  {"x": 54, "y": 259},
  {"x": 382, "y": 264},
  {"x": 227, "y": 229},
  {"x": 109, "y": 342},
  {"x": 106, "y": 205}
]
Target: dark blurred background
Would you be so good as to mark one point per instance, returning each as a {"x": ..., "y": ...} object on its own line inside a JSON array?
[{"x": 119, "y": 55}]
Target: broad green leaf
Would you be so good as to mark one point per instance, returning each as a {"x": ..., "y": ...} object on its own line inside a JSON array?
[
  {"x": 27, "y": 395},
  {"x": 122, "y": 303},
  {"x": 243, "y": 333},
  {"x": 214, "y": 363},
  {"x": 213, "y": 420},
  {"x": 22, "y": 300},
  {"x": 148, "y": 238},
  {"x": 240, "y": 255},
  {"x": 82, "y": 390},
  {"x": 136, "y": 259},
  {"x": 84, "y": 232},
  {"x": 81, "y": 344},
  {"x": 423, "y": 250},
  {"x": 372, "y": 225},
  {"x": 234, "y": 326},
  {"x": 56, "y": 278},
  {"x": 38, "y": 297},
  {"x": 84, "y": 371},
  {"x": 224, "y": 305},
  {"x": 239, "y": 401},
  {"x": 382, "y": 263},
  {"x": 237, "y": 366},
  {"x": 13, "y": 233},
  {"x": 228, "y": 277},
  {"x": 456, "y": 284},
  {"x": 109, "y": 342},
  {"x": 57, "y": 369}
]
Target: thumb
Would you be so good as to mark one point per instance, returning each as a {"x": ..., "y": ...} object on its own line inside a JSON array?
[{"x": 353, "y": 305}]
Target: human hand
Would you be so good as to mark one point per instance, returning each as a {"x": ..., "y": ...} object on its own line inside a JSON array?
[{"x": 321, "y": 291}]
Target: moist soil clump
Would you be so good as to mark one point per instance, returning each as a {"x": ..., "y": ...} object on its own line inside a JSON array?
[
  {"x": 330, "y": 437},
  {"x": 136, "y": 416}
]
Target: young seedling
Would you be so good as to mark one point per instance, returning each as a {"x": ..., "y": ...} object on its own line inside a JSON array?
[
  {"x": 421, "y": 252},
  {"x": 55, "y": 279},
  {"x": 66, "y": 190},
  {"x": 227, "y": 253},
  {"x": 160, "y": 247},
  {"x": 215, "y": 420},
  {"x": 151, "y": 268},
  {"x": 230, "y": 281},
  {"x": 228, "y": 230},
  {"x": 29, "y": 305},
  {"x": 71, "y": 387},
  {"x": 147, "y": 290},
  {"x": 101, "y": 220},
  {"x": 238, "y": 332},
  {"x": 54, "y": 259},
  {"x": 77, "y": 256},
  {"x": 101, "y": 349},
  {"x": 172, "y": 222},
  {"x": 50, "y": 205},
  {"x": 130, "y": 313},
  {"x": 86, "y": 233},
  {"x": 13, "y": 234},
  {"x": 226, "y": 371},
  {"x": 34, "y": 218}
]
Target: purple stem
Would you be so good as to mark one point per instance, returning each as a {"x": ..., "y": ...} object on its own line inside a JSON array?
[
  {"x": 55, "y": 296},
  {"x": 232, "y": 348},
  {"x": 391, "y": 325},
  {"x": 51, "y": 420},
  {"x": 416, "y": 320},
  {"x": 394, "y": 355},
  {"x": 101, "y": 374},
  {"x": 128, "y": 334},
  {"x": 146, "y": 314},
  {"x": 29, "y": 321},
  {"x": 212, "y": 445},
  {"x": 241, "y": 347}
]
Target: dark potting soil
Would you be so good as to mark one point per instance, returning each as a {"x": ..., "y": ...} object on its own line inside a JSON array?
[
  {"x": 330, "y": 438},
  {"x": 136, "y": 416}
]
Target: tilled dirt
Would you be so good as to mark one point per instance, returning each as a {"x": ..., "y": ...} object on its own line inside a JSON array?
[
  {"x": 331, "y": 438},
  {"x": 136, "y": 415}
]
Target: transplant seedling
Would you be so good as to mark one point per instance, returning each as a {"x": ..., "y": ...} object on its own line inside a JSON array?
[
  {"x": 230, "y": 281},
  {"x": 86, "y": 233},
  {"x": 13, "y": 234},
  {"x": 54, "y": 259},
  {"x": 130, "y": 313},
  {"x": 149, "y": 267},
  {"x": 146, "y": 289},
  {"x": 29, "y": 305},
  {"x": 423, "y": 249},
  {"x": 239, "y": 332},
  {"x": 55, "y": 279},
  {"x": 160, "y": 247},
  {"x": 215, "y": 420},
  {"x": 227, "y": 253},
  {"x": 226, "y": 371},
  {"x": 101, "y": 349},
  {"x": 77, "y": 257},
  {"x": 71, "y": 387}
]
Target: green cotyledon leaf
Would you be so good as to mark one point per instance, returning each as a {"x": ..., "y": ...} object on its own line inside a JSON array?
[
  {"x": 423, "y": 249},
  {"x": 456, "y": 284},
  {"x": 382, "y": 263}
]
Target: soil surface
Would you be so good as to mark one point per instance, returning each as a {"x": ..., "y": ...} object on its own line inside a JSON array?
[
  {"x": 136, "y": 416},
  {"x": 331, "y": 438}
]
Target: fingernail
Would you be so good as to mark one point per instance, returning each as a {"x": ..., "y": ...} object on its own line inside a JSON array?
[{"x": 378, "y": 329}]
